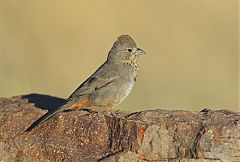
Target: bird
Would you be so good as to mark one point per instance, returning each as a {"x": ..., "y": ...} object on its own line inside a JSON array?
[{"x": 109, "y": 85}]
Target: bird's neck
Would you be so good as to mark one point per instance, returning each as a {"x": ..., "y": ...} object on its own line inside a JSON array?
[{"x": 132, "y": 61}]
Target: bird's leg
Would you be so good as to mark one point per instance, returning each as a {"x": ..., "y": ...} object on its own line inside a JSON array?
[
  {"x": 107, "y": 109},
  {"x": 113, "y": 113}
]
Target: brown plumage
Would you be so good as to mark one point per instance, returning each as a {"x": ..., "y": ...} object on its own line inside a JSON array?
[{"x": 109, "y": 85}]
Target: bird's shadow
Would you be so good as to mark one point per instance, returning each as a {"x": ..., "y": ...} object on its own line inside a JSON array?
[{"x": 45, "y": 102}]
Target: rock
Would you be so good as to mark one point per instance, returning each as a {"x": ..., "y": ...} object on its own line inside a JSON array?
[{"x": 151, "y": 135}]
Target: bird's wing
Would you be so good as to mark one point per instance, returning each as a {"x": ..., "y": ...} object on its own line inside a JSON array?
[
  {"x": 93, "y": 83},
  {"x": 98, "y": 80}
]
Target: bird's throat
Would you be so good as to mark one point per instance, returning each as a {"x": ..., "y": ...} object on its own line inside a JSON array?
[{"x": 132, "y": 62}]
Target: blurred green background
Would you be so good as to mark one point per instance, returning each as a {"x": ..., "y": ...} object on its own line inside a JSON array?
[{"x": 50, "y": 47}]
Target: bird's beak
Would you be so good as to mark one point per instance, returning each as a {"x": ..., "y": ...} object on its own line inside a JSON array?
[{"x": 140, "y": 51}]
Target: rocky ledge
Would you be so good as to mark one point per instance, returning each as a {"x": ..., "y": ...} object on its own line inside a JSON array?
[{"x": 151, "y": 135}]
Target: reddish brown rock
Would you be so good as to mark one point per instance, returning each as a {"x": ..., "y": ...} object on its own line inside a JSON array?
[{"x": 152, "y": 135}]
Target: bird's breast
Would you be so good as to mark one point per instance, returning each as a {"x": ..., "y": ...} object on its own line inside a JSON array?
[{"x": 125, "y": 84}]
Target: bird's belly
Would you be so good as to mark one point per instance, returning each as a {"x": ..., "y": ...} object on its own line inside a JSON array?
[
  {"x": 123, "y": 92},
  {"x": 112, "y": 94}
]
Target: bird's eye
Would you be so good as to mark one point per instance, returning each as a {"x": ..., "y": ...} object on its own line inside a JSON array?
[{"x": 129, "y": 50}]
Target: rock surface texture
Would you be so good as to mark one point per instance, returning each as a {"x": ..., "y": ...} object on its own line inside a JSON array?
[{"x": 151, "y": 135}]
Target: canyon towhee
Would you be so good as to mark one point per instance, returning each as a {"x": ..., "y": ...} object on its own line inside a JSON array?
[{"x": 109, "y": 85}]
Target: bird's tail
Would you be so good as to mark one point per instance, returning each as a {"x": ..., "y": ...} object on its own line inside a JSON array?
[{"x": 45, "y": 117}]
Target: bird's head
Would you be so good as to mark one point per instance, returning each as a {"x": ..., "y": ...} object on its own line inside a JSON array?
[{"x": 124, "y": 50}]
